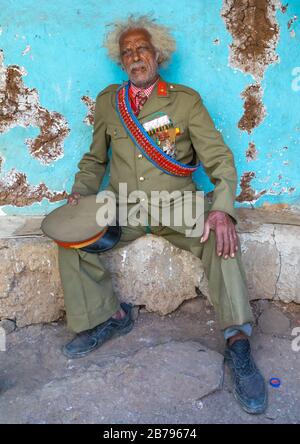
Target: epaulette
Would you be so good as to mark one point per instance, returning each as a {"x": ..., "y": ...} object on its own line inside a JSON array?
[
  {"x": 109, "y": 88},
  {"x": 176, "y": 87}
]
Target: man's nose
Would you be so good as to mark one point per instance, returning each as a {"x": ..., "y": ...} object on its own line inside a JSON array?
[{"x": 136, "y": 55}]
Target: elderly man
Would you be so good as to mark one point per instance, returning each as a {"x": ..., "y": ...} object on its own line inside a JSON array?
[{"x": 159, "y": 160}]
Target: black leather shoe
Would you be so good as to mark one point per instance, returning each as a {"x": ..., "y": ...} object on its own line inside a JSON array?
[
  {"x": 249, "y": 385},
  {"x": 88, "y": 340}
]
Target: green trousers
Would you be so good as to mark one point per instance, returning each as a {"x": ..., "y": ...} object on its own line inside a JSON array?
[{"x": 89, "y": 296}]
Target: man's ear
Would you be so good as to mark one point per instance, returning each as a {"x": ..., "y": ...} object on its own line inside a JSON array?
[{"x": 158, "y": 58}]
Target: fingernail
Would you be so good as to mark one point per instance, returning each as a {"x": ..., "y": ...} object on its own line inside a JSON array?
[
  {"x": 201, "y": 240},
  {"x": 219, "y": 254},
  {"x": 226, "y": 257},
  {"x": 232, "y": 255}
]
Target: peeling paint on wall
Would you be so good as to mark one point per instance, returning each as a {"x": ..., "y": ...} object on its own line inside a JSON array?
[
  {"x": 255, "y": 110},
  {"x": 292, "y": 21},
  {"x": 15, "y": 190},
  {"x": 248, "y": 194},
  {"x": 91, "y": 104},
  {"x": 26, "y": 50},
  {"x": 19, "y": 106},
  {"x": 64, "y": 73},
  {"x": 251, "y": 153},
  {"x": 255, "y": 32}
]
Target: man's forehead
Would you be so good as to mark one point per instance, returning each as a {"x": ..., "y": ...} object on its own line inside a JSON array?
[{"x": 135, "y": 35}]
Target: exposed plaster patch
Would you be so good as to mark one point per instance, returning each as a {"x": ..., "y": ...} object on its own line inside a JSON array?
[
  {"x": 247, "y": 193},
  {"x": 216, "y": 42},
  {"x": 26, "y": 50},
  {"x": 251, "y": 153},
  {"x": 283, "y": 190},
  {"x": 91, "y": 105},
  {"x": 274, "y": 207},
  {"x": 255, "y": 33},
  {"x": 292, "y": 21},
  {"x": 255, "y": 110},
  {"x": 19, "y": 106},
  {"x": 15, "y": 190},
  {"x": 290, "y": 24}
]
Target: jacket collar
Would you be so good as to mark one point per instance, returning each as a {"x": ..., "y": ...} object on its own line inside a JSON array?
[
  {"x": 159, "y": 98},
  {"x": 133, "y": 90}
]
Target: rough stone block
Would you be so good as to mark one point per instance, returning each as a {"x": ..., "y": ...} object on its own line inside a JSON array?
[
  {"x": 273, "y": 321},
  {"x": 8, "y": 326},
  {"x": 30, "y": 288},
  {"x": 154, "y": 273},
  {"x": 150, "y": 271},
  {"x": 261, "y": 262}
]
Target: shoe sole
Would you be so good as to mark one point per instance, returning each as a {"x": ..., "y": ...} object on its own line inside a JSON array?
[
  {"x": 123, "y": 332},
  {"x": 259, "y": 411}
]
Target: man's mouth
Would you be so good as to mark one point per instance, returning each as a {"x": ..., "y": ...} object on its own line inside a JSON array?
[{"x": 138, "y": 69}]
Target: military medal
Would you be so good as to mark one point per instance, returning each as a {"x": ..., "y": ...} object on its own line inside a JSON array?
[
  {"x": 166, "y": 140},
  {"x": 162, "y": 128}
]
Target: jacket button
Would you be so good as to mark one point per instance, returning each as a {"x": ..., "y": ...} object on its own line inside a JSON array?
[
  {"x": 142, "y": 179},
  {"x": 140, "y": 156}
]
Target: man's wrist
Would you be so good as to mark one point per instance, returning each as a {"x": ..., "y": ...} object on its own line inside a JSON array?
[{"x": 230, "y": 214}]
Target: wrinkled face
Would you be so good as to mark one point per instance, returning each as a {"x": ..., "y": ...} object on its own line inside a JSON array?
[{"x": 138, "y": 57}]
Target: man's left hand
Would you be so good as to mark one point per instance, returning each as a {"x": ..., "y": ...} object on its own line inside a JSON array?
[{"x": 226, "y": 237}]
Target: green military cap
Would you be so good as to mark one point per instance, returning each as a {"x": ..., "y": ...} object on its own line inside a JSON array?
[{"x": 81, "y": 226}]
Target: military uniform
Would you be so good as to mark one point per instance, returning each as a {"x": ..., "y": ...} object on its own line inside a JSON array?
[{"x": 88, "y": 292}]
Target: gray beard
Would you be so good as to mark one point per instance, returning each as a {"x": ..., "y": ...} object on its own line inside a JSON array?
[{"x": 145, "y": 84}]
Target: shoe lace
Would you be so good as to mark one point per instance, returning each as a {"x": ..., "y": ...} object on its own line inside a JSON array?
[
  {"x": 243, "y": 361},
  {"x": 245, "y": 366}
]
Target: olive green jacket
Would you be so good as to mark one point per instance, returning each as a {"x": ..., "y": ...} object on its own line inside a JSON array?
[{"x": 198, "y": 135}]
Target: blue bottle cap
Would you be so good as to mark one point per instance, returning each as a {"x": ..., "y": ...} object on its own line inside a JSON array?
[{"x": 275, "y": 382}]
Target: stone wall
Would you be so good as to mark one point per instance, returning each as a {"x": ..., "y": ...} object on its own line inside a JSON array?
[{"x": 150, "y": 271}]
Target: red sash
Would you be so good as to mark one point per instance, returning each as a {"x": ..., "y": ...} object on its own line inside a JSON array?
[{"x": 143, "y": 141}]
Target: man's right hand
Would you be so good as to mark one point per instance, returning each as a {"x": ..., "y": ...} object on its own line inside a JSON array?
[{"x": 73, "y": 198}]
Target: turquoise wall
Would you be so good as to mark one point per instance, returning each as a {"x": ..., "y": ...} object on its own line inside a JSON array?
[{"x": 59, "y": 45}]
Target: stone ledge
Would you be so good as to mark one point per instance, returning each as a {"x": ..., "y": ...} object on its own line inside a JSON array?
[{"x": 150, "y": 271}]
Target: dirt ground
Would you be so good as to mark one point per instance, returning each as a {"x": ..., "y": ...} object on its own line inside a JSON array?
[{"x": 151, "y": 375}]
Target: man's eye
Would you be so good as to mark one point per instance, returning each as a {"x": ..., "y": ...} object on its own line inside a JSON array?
[{"x": 126, "y": 52}]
